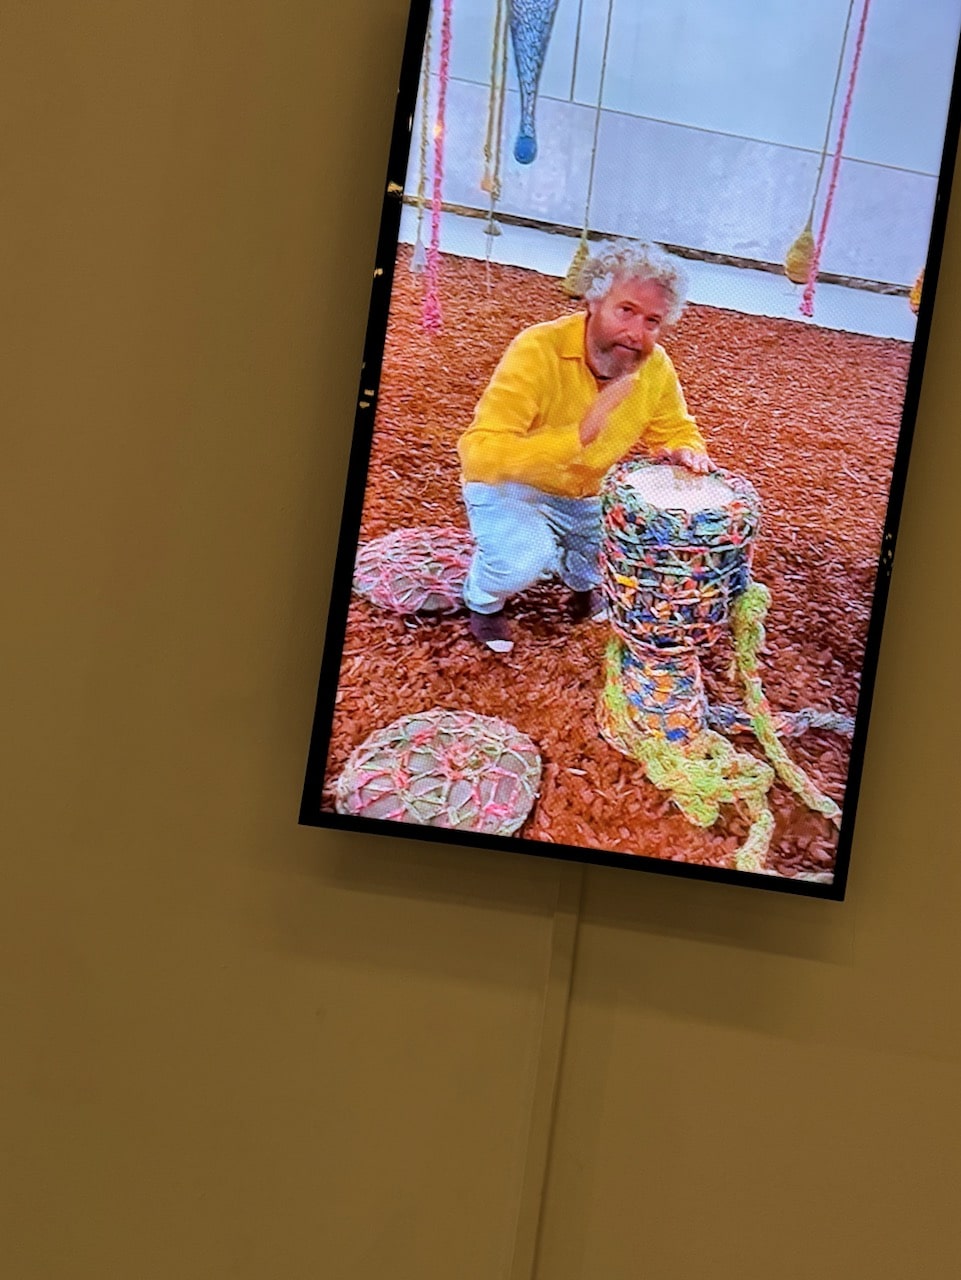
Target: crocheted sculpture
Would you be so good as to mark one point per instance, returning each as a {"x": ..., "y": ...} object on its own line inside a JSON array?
[
  {"x": 441, "y": 768},
  {"x": 490, "y": 182},
  {"x": 676, "y": 562},
  {"x": 417, "y": 570},
  {"x": 807, "y": 250},
  {"x": 531, "y": 22},
  {"x": 571, "y": 283},
  {"x": 798, "y": 259}
]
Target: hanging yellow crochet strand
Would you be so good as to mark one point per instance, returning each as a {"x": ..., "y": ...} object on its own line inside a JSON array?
[
  {"x": 493, "y": 145},
  {"x": 748, "y": 615},
  {"x": 570, "y": 281},
  {"x": 797, "y": 260},
  {"x": 495, "y": 102}
]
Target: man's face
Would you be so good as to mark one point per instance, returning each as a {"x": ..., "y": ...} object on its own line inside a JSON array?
[{"x": 624, "y": 326}]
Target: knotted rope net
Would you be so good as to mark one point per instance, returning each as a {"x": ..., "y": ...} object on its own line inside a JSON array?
[
  {"x": 452, "y": 769},
  {"x": 415, "y": 570}
]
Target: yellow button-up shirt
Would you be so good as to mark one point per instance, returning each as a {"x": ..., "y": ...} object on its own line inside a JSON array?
[{"x": 526, "y": 425}]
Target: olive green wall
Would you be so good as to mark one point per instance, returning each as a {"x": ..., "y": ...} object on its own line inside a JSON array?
[{"x": 237, "y": 1048}]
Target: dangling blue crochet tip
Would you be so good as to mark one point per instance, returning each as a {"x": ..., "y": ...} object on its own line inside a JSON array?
[{"x": 525, "y": 148}]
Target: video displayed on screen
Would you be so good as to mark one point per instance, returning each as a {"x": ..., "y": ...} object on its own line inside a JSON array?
[{"x": 643, "y": 364}]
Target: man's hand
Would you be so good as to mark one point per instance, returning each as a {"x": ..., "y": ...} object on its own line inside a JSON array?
[
  {"x": 699, "y": 463},
  {"x": 614, "y": 394}
]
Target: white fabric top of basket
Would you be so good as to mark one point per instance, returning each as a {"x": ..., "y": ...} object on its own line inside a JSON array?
[
  {"x": 440, "y": 768},
  {"x": 676, "y": 489},
  {"x": 416, "y": 570}
]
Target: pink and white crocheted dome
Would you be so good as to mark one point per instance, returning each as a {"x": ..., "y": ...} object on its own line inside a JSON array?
[
  {"x": 442, "y": 768},
  {"x": 415, "y": 570}
]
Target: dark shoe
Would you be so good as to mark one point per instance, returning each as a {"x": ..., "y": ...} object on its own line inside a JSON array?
[
  {"x": 491, "y": 629},
  {"x": 588, "y": 604}
]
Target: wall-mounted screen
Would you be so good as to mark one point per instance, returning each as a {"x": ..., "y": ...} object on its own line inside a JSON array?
[{"x": 652, "y": 292}]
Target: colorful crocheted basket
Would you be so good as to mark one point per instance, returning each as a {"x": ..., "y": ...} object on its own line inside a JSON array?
[
  {"x": 443, "y": 768},
  {"x": 673, "y": 566},
  {"x": 416, "y": 570}
]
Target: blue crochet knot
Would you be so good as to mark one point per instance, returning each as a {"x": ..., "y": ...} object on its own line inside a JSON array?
[{"x": 525, "y": 148}]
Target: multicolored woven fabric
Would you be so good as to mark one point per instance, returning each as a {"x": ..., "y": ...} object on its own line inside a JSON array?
[
  {"x": 417, "y": 570},
  {"x": 664, "y": 692},
  {"x": 670, "y": 575},
  {"x": 440, "y": 768}
]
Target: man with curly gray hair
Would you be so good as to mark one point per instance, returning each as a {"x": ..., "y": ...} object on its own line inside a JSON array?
[{"x": 568, "y": 399}]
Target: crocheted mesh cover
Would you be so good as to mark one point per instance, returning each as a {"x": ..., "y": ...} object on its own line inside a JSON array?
[
  {"x": 444, "y": 769},
  {"x": 417, "y": 570}
]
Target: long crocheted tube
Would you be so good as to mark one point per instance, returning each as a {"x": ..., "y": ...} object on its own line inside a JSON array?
[
  {"x": 700, "y": 775},
  {"x": 747, "y": 625},
  {"x": 788, "y": 724}
]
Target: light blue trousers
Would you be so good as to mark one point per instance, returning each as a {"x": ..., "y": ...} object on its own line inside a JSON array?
[{"x": 523, "y": 534}]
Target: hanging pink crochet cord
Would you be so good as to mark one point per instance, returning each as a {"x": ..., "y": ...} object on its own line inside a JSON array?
[
  {"x": 807, "y": 301},
  {"x": 433, "y": 318}
]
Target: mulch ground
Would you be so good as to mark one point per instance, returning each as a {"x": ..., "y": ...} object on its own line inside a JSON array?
[{"x": 810, "y": 416}]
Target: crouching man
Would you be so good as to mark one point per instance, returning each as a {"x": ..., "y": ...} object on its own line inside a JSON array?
[{"x": 570, "y": 398}]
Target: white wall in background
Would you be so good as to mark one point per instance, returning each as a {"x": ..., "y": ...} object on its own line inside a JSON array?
[{"x": 713, "y": 118}]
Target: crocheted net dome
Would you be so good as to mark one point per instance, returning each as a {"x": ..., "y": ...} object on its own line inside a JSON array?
[
  {"x": 440, "y": 768},
  {"x": 415, "y": 570}
]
